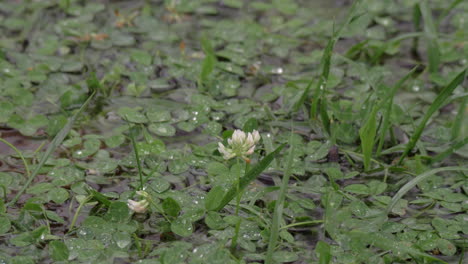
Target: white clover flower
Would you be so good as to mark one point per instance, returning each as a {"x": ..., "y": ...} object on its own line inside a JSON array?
[
  {"x": 240, "y": 144},
  {"x": 144, "y": 194},
  {"x": 138, "y": 206}
]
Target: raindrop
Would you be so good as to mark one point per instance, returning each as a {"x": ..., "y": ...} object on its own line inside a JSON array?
[
  {"x": 123, "y": 243},
  {"x": 278, "y": 71},
  {"x": 268, "y": 135},
  {"x": 416, "y": 88}
]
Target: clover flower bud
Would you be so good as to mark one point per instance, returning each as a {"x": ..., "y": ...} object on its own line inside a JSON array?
[
  {"x": 138, "y": 206},
  {"x": 239, "y": 145}
]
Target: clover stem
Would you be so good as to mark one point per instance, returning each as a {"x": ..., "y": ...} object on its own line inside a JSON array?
[{"x": 239, "y": 195}]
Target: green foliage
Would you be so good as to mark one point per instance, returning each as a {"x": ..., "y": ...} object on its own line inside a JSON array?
[{"x": 128, "y": 100}]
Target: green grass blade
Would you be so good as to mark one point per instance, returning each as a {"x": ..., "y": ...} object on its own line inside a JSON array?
[
  {"x": 52, "y": 146},
  {"x": 459, "y": 118},
  {"x": 438, "y": 102},
  {"x": 448, "y": 9},
  {"x": 208, "y": 63},
  {"x": 302, "y": 99},
  {"x": 99, "y": 197},
  {"x": 453, "y": 147},
  {"x": 325, "y": 61},
  {"x": 387, "y": 105},
  {"x": 26, "y": 167},
  {"x": 137, "y": 154},
  {"x": 383, "y": 242},
  {"x": 421, "y": 177},
  {"x": 322, "y": 250},
  {"x": 278, "y": 212},
  {"x": 324, "y": 117},
  {"x": 249, "y": 177},
  {"x": 430, "y": 29},
  {"x": 367, "y": 134}
]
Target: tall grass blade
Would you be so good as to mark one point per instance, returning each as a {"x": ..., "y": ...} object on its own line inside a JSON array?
[
  {"x": 384, "y": 242},
  {"x": 430, "y": 29},
  {"x": 137, "y": 154},
  {"x": 322, "y": 250},
  {"x": 249, "y": 177},
  {"x": 459, "y": 118},
  {"x": 208, "y": 63},
  {"x": 453, "y": 147},
  {"x": 421, "y": 177},
  {"x": 325, "y": 62},
  {"x": 18, "y": 152},
  {"x": 278, "y": 213},
  {"x": 448, "y": 9},
  {"x": 438, "y": 102},
  {"x": 367, "y": 134},
  {"x": 302, "y": 99},
  {"x": 52, "y": 146},
  {"x": 387, "y": 105}
]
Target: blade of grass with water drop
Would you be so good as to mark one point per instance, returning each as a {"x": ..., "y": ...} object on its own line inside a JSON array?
[
  {"x": 52, "y": 146},
  {"x": 438, "y": 102},
  {"x": 421, "y": 177},
  {"x": 249, "y": 177},
  {"x": 278, "y": 212},
  {"x": 387, "y": 105}
]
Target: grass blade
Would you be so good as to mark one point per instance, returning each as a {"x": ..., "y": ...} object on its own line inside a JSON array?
[
  {"x": 454, "y": 146},
  {"x": 18, "y": 152},
  {"x": 53, "y": 145},
  {"x": 421, "y": 177},
  {"x": 302, "y": 99},
  {"x": 438, "y": 102},
  {"x": 367, "y": 134},
  {"x": 208, "y": 63},
  {"x": 131, "y": 132},
  {"x": 384, "y": 242},
  {"x": 249, "y": 177},
  {"x": 388, "y": 104},
  {"x": 325, "y": 62},
  {"x": 430, "y": 29},
  {"x": 448, "y": 9},
  {"x": 278, "y": 212},
  {"x": 322, "y": 250},
  {"x": 459, "y": 118}
]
